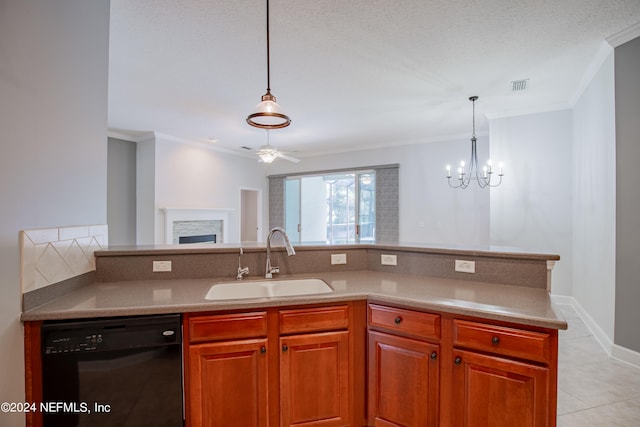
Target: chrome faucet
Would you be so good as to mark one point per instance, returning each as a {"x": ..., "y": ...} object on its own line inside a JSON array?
[
  {"x": 241, "y": 270},
  {"x": 290, "y": 251}
]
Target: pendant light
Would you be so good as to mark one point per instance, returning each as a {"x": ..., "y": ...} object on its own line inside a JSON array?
[
  {"x": 484, "y": 178},
  {"x": 268, "y": 114}
]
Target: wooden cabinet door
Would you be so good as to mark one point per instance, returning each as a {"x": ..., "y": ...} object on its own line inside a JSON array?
[
  {"x": 315, "y": 380},
  {"x": 497, "y": 392},
  {"x": 228, "y": 384},
  {"x": 403, "y": 381}
]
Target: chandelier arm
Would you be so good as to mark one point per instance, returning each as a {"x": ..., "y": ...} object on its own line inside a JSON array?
[{"x": 499, "y": 182}]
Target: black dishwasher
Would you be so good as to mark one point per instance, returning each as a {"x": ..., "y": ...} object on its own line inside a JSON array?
[{"x": 113, "y": 372}]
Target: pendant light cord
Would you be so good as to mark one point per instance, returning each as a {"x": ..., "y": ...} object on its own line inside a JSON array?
[{"x": 268, "y": 54}]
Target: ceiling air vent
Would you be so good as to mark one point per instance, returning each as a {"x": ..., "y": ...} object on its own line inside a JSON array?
[{"x": 519, "y": 85}]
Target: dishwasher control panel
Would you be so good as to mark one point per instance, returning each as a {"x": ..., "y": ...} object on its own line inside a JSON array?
[
  {"x": 118, "y": 334},
  {"x": 61, "y": 343}
]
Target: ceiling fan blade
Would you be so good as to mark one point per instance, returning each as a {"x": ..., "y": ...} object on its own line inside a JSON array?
[{"x": 286, "y": 157}]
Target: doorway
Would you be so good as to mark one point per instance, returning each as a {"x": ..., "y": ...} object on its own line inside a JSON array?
[{"x": 250, "y": 215}]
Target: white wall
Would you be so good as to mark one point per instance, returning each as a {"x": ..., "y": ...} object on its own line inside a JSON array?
[
  {"x": 595, "y": 199},
  {"x": 146, "y": 191},
  {"x": 121, "y": 192},
  {"x": 533, "y": 207},
  {"x": 53, "y": 150},
  {"x": 192, "y": 175},
  {"x": 430, "y": 211}
]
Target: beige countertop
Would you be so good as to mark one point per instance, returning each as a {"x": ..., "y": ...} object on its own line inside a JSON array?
[{"x": 516, "y": 304}]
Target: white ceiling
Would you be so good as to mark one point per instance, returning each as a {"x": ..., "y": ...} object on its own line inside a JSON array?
[{"x": 350, "y": 73}]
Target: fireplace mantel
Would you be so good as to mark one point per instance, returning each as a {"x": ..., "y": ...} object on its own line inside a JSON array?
[{"x": 172, "y": 215}]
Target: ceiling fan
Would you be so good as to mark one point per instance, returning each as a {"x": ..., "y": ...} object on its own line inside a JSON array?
[{"x": 268, "y": 153}]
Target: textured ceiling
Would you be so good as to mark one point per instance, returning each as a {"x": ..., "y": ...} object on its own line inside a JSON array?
[{"x": 350, "y": 73}]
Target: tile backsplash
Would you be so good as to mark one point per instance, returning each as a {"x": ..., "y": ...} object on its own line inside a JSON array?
[{"x": 51, "y": 255}]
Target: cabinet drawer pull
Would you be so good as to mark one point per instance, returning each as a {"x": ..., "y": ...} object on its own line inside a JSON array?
[
  {"x": 263, "y": 349},
  {"x": 434, "y": 355},
  {"x": 457, "y": 360},
  {"x": 398, "y": 320},
  {"x": 495, "y": 340},
  {"x": 285, "y": 347}
]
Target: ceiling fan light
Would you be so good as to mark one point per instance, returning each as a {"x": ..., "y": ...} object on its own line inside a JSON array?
[
  {"x": 267, "y": 157},
  {"x": 268, "y": 114}
]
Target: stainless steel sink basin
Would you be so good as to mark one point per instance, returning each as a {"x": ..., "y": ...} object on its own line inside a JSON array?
[{"x": 267, "y": 289}]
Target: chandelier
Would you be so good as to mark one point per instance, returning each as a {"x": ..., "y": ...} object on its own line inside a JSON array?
[
  {"x": 268, "y": 114},
  {"x": 484, "y": 177}
]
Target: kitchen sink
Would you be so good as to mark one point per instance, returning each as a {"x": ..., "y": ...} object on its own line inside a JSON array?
[{"x": 267, "y": 289}]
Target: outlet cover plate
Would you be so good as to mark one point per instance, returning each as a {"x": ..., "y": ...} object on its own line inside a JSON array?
[
  {"x": 464, "y": 266},
  {"x": 338, "y": 259},
  {"x": 161, "y": 266},
  {"x": 388, "y": 259}
]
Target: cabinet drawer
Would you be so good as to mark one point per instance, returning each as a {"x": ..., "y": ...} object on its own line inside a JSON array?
[
  {"x": 227, "y": 326},
  {"x": 409, "y": 322},
  {"x": 314, "y": 319},
  {"x": 502, "y": 340}
]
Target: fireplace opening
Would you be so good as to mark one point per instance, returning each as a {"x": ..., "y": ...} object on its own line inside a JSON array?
[
  {"x": 196, "y": 222},
  {"x": 203, "y": 238},
  {"x": 198, "y": 231}
]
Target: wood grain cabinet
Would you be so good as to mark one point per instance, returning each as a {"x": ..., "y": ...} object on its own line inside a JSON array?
[
  {"x": 404, "y": 366},
  {"x": 279, "y": 367},
  {"x": 430, "y": 369},
  {"x": 226, "y": 380},
  {"x": 315, "y": 379},
  {"x": 502, "y": 376}
]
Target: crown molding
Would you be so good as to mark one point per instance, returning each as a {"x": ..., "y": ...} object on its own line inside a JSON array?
[
  {"x": 529, "y": 110},
  {"x": 153, "y": 135},
  {"x": 601, "y": 56},
  {"x": 624, "y": 36}
]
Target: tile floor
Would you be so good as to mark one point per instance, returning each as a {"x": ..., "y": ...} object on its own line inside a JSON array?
[{"x": 593, "y": 389}]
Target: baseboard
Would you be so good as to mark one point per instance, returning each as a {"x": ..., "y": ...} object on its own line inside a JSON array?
[
  {"x": 625, "y": 355},
  {"x": 615, "y": 351}
]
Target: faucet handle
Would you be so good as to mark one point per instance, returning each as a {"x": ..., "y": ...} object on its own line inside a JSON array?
[{"x": 242, "y": 271}]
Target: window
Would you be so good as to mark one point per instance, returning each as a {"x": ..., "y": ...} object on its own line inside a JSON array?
[{"x": 337, "y": 208}]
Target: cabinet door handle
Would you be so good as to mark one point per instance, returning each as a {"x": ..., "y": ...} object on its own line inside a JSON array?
[
  {"x": 457, "y": 360},
  {"x": 434, "y": 355},
  {"x": 398, "y": 320},
  {"x": 285, "y": 347},
  {"x": 495, "y": 340},
  {"x": 263, "y": 349}
]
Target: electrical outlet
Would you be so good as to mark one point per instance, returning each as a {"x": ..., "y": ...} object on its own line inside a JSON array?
[
  {"x": 465, "y": 266},
  {"x": 161, "y": 266},
  {"x": 338, "y": 259},
  {"x": 388, "y": 259}
]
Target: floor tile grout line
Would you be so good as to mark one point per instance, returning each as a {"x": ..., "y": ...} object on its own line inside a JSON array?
[{"x": 608, "y": 360}]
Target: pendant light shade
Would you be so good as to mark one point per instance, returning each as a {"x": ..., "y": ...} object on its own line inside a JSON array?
[{"x": 268, "y": 114}]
